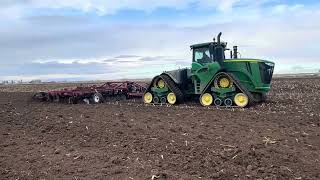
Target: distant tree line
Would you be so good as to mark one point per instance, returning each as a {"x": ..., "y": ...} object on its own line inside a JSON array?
[{"x": 35, "y": 81}]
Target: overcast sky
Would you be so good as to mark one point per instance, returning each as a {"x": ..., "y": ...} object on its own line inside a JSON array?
[{"x": 102, "y": 39}]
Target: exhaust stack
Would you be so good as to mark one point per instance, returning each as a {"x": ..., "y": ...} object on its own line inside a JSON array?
[
  {"x": 218, "y": 38},
  {"x": 235, "y": 52}
]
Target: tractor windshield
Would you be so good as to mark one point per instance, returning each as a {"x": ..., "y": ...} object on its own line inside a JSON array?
[{"x": 202, "y": 55}]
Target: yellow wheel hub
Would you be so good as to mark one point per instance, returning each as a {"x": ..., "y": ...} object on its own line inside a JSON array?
[
  {"x": 206, "y": 99},
  {"x": 241, "y": 100},
  {"x": 161, "y": 84},
  {"x": 224, "y": 82},
  {"x": 147, "y": 98},
  {"x": 172, "y": 99}
]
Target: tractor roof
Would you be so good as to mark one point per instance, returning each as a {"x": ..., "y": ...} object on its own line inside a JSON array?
[{"x": 206, "y": 44}]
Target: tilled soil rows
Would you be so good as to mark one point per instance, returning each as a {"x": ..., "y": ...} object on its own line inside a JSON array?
[{"x": 275, "y": 140}]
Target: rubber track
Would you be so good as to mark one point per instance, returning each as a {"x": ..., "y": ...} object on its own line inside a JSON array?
[
  {"x": 238, "y": 84},
  {"x": 242, "y": 88},
  {"x": 173, "y": 87}
]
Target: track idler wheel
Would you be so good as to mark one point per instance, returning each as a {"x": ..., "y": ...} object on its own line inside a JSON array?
[
  {"x": 171, "y": 98},
  {"x": 206, "y": 99},
  {"x": 228, "y": 102},
  {"x": 223, "y": 81},
  {"x": 159, "y": 83},
  {"x": 217, "y": 102},
  {"x": 147, "y": 98},
  {"x": 163, "y": 100},
  {"x": 241, "y": 100},
  {"x": 156, "y": 99}
]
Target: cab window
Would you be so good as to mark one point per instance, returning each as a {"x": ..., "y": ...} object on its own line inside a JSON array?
[{"x": 202, "y": 55}]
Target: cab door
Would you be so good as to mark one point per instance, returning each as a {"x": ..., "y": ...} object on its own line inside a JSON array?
[{"x": 203, "y": 68}]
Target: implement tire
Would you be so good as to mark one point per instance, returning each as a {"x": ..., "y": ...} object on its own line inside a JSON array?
[{"x": 97, "y": 98}]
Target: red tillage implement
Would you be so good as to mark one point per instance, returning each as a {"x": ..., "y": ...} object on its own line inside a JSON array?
[{"x": 94, "y": 94}]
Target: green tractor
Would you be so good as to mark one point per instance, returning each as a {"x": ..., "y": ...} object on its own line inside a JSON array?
[{"x": 213, "y": 79}]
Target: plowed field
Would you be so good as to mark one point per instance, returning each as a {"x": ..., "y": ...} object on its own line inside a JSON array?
[{"x": 279, "y": 139}]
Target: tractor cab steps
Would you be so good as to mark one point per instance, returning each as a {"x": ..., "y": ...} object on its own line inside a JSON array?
[{"x": 197, "y": 87}]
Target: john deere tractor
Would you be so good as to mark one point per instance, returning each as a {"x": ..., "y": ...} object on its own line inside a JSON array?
[{"x": 213, "y": 79}]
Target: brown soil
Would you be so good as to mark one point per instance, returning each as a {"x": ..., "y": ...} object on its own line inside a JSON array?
[{"x": 275, "y": 140}]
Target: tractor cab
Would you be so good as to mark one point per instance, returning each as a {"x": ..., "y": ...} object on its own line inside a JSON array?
[
  {"x": 208, "y": 59},
  {"x": 211, "y": 56},
  {"x": 205, "y": 53},
  {"x": 209, "y": 52}
]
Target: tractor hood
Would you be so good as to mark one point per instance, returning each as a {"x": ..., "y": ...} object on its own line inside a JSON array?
[
  {"x": 250, "y": 60},
  {"x": 261, "y": 69}
]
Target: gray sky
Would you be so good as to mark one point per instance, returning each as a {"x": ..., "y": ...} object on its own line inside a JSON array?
[{"x": 95, "y": 39}]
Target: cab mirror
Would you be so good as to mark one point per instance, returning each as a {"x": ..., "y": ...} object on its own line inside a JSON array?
[{"x": 211, "y": 50}]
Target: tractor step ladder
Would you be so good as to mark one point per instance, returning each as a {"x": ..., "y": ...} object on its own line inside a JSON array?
[{"x": 197, "y": 86}]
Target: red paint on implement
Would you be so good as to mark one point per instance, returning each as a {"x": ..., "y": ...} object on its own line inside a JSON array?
[{"x": 109, "y": 89}]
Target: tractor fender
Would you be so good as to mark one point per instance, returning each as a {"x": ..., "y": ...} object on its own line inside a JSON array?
[
  {"x": 152, "y": 82},
  {"x": 154, "y": 79},
  {"x": 179, "y": 76},
  {"x": 213, "y": 77},
  {"x": 174, "y": 79}
]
